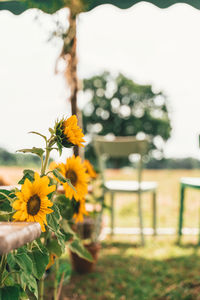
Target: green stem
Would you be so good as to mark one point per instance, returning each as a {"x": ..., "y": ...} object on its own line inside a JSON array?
[
  {"x": 45, "y": 162},
  {"x": 2, "y": 267},
  {"x": 49, "y": 145},
  {"x": 41, "y": 289},
  {"x": 55, "y": 279}
]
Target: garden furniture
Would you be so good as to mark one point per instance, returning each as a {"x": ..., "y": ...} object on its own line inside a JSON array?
[
  {"x": 120, "y": 147},
  {"x": 186, "y": 182}
]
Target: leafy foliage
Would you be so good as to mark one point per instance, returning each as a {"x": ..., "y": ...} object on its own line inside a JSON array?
[
  {"x": 22, "y": 270},
  {"x": 77, "y": 247},
  {"x": 121, "y": 107},
  {"x": 40, "y": 258},
  {"x": 29, "y": 174}
]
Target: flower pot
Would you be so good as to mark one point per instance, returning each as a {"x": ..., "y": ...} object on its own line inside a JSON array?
[
  {"x": 85, "y": 229},
  {"x": 83, "y": 266}
]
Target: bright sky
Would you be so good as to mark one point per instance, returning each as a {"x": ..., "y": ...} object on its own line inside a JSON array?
[{"x": 150, "y": 45}]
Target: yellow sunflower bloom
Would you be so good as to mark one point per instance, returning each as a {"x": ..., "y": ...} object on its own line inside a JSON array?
[
  {"x": 53, "y": 165},
  {"x": 32, "y": 203},
  {"x": 73, "y": 132},
  {"x": 68, "y": 133},
  {"x": 89, "y": 169},
  {"x": 80, "y": 211},
  {"x": 74, "y": 170}
]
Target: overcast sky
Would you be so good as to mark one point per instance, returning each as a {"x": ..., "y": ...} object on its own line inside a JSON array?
[{"x": 150, "y": 45}]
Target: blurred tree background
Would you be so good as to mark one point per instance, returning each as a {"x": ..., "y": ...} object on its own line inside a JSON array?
[
  {"x": 17, "y": 159},
  {"x": 121, "y": 107}
]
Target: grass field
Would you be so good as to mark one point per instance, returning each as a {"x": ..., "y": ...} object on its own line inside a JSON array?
[
  {"x": 160, "y": 271},
  {"x": 167, "y": 199}
]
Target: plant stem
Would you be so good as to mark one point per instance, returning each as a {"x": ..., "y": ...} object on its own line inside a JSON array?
[
  {"x": 55, "y": 279},
  {"x": 60, "y": 286},
  {"x": 2, "y": 267},
  {"x": 49, "y": 145},
  {"x": 41, "y": 289},
  {"x": 45, "y": 162}
]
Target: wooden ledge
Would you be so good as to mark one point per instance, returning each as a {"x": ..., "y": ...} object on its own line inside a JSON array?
[{"x": 16, "y": 234}]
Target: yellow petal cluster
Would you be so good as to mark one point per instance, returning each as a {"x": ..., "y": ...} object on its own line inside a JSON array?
[
  {"x": 78, "y": 216},
  {"x": 74, "y": 170},
  {"x": 73, "y": 132},
  {"x": 32, "y": 204},
  {"x": 89, "y": 169}
]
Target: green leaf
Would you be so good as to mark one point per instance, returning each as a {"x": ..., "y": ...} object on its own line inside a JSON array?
[
  {"x": 11, "y": 261},
  {"x": 64, "y": 267},
  {"x": 9, "y": 281},
  {"x": 67, "y": 236},
  {"x": 6, "y": 197},
  {"x": 34, "y": 150},
  {"x": 67, "y": 228},
  {"x": 28, "y": 281},
  {"x": 24, "y": 261},
  {"x": 54, "y": 247},
  {"x": 54, "y": 218},
  {"x": 10, "y": 293},
  {"x": 29, "y": 174},
  {"x": 51, "y": 131},
  {"x": 40, "y": 259},
  {"x": 53, "y": 221},
  {"x": 62, "y": 179},
  {"x": 43, "y": 136},
  {"x": 77, "y": 247},
  {"x": 65, "y": 206}
]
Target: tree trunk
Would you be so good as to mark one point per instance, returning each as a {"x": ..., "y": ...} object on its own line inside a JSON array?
[{"x": 69, "y": 53}]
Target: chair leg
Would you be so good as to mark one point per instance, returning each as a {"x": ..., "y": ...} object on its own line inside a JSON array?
[
  {"x": 182, "y": 190},
  {"x": 154, "y": 214},
  {"x": 140, "y": 218},
  {"x": 199, "y": 231},
  {"x": 112, "y": 213}
]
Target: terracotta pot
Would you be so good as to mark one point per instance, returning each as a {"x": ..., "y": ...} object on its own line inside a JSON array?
[
  {"x": 85, "y": 228},
  {"x": 83, "y": 266}
]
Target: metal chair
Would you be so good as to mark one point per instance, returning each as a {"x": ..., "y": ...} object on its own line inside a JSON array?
[
  {"x": 186, "y": 182},
  {"x": 119, "y": 147}
]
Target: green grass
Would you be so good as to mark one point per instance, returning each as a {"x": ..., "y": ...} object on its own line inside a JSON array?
[
  {"x": 161, "y": 270},
  {"x": 167, "y": 200}
]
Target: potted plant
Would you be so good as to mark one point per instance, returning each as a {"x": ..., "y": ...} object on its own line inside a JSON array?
[{"x": 89, "y": 229}]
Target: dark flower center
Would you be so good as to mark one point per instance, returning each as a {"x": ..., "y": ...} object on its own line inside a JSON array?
[
  {"x": 33, "y": 205},
  {"x": 72, "y": 176}
]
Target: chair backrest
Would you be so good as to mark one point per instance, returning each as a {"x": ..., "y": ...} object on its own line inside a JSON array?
[{"x": 118, "y": 147}]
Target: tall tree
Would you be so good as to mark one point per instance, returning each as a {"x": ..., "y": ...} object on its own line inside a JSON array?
[{"x": 121, "y": 107}]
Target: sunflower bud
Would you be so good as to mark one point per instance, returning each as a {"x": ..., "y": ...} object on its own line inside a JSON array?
[{"x": 68, "y": 133}]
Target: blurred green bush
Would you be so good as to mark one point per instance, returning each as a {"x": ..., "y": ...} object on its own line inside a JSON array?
[{"x": 119, "y": 106}]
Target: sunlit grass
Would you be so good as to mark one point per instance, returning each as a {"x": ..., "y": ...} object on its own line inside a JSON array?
[
  {"x": 167, "y": 199},
  {"x": 161, "y": 270}
]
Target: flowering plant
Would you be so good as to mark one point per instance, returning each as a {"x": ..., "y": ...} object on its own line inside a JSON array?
[
  {"x": 22, "y": 270},
  {"x": 89, "y": 229}
]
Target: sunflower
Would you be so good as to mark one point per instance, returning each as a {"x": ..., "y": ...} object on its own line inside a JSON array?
[
  {"x": 52, "y": 258},
  {"x": 32, "y": 203},
  {"x": 89, "y": 169},
  {"x": 69, "y": 133},
  {"x": 74, "y": 170},
  {"x": 80, "y": 210}
]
